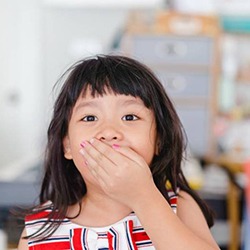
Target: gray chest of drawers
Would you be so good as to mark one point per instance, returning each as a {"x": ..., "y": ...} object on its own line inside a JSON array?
[{"x": 186, "y": 65}]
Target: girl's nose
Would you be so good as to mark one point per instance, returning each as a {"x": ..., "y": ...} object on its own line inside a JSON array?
[{"x": 109, "y": 134}]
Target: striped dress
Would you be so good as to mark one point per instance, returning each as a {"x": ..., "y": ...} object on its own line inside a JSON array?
[{"x": 126, "y": 234}]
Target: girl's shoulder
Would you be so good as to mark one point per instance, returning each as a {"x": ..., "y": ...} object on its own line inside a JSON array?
[
  {"x": 188, "y": 208},
  {"x": 43, "y": 219}
]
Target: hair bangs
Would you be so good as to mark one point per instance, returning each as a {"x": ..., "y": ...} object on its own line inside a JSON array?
[{"x": 118, "y": 79}]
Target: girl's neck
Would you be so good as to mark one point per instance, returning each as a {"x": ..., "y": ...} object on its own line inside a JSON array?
[{"x": 98, "y": 211}]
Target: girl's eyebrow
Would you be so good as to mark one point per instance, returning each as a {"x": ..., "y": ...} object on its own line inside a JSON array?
[
  {"x": 86, "y": 104},
  {"x": 137, "y": 102},
  {"x": 95, "y": 103}
]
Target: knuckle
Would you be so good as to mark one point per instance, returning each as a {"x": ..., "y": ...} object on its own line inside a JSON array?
[
  {"x": 93, "y": 172},
  {"x": 106, "y": 152},
  {"x": 126, "y": 164},
  {"x": 111, "y": 185},
  {"x": 117, "y": 174},
  {"x": 99, "y": 157},
  {"x": 94, "y": 165}
]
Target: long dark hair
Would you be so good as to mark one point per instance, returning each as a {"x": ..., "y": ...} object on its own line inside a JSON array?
[{"x": 62, "y": 184}]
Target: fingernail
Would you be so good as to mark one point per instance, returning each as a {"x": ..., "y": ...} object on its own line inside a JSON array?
[
  {"x": 92, "y": 140},
  {"x": 82, "y": 151},
  {"x": 86, "y": 163},
  {"x": 115, "y": 146},
  {"x": 83, "y": 144}
]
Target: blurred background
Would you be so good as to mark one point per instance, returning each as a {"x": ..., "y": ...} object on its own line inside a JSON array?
[{"x": 199, "y": 49}]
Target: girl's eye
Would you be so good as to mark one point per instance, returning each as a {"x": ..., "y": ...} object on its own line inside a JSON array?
[
  {"x": 130, "y": 118},
  {"x": 89, "y": 118}
]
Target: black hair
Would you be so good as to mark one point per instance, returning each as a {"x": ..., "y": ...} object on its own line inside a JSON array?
[{"x": 62, "y": 184}]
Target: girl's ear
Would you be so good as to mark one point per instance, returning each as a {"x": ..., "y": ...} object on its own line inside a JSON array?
[{"x": 67, "y": 148}]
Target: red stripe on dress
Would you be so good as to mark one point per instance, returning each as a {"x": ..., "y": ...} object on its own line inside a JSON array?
[
  {"x": 173, "y": 200},
  {"x": 130, "y": 224},
  {"x": 110, "y": 240},
  {"x": 140, "y": 236},
  {"x": 37, "y": 216},
  {"x": 76, "y": 238},
  {"x": 51, "y": 246}
]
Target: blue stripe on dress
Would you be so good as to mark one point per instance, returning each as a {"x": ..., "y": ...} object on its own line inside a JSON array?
[
  {"x": 128, "y": 236},
  {"x": 115, "y": 238},
  {"x": 84, "y": 235}
]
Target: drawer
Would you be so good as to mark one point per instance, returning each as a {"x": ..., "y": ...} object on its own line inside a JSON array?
[
  {"x": 185, "y": 84},
  {"x": 173, "y": 50},
  {"x": 196, "y": 122}
]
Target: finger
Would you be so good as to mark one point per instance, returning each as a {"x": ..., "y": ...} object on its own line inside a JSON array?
[
  {"x": 117, "y": 154},
  {"x": 98, "y": 177},
  {"x": 100, "y": 151},
  {"x": 97, "y": 159},
  {"x": 130, "y": 154},
  {"x": 95, "y": 168},
  {"x": 111, "y": 153}
]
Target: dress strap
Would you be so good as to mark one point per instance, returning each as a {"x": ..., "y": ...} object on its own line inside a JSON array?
[{"x": 173, "y": 196}]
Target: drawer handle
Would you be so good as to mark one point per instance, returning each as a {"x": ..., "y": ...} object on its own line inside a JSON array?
[
  {"x": 171, "y": 49},
  {"x": 177, "y": 84}
]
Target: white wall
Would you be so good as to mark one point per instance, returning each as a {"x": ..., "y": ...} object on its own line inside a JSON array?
[
  {"x": 38, "y": 42},
  {"x": 20, "y": 79},
  {"x": 71, "y": 34}
]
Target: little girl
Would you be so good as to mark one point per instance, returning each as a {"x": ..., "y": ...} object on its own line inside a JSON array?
[{"x": 113, "y": 175}]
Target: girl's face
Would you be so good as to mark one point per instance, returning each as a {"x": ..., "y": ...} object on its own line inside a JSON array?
[{"x": 114, "y": 119}]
